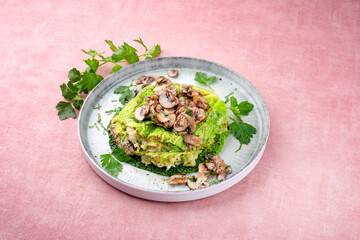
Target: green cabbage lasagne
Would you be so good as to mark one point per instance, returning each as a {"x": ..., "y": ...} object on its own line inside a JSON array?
[{"x": 149, "y": 127}]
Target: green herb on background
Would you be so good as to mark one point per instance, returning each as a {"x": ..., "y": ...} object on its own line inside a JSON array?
[
  {"x": 240, "y": 109},
  {"x": 95, "y": 125},
  {"x": 84, "y": 82},
  {"x": 125, "y": 92},
  {"x": 113, "y": 110},
  {"x": 227, "y": 97},
  {"x": 242, "y": 131},
  {"x": 202, "y": 78},
  {"x": 111, "y": 161},
  {"x": 98, "y": 106}
]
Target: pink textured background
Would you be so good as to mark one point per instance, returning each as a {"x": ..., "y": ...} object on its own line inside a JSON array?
[{"x": 304, "y": 59}]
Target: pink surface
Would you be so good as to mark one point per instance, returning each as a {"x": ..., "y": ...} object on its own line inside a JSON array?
[{"x": 302, "y": 57}]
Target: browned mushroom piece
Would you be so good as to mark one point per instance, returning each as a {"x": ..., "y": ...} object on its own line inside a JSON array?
[
  {"x": 184, "y": 102},
  {"x": 171, "y": 118},
  {"x": 193, "y": 140},
  {"x": 184, "y": 88},
  {"x": 188, "y": 147},
  {"x": 154, "y": 97},
  {"x": 192, "y": 185},
  {"x": 172, "y": 90},
  {"x": 192, "y": 104},
  {"x": 223, "y": 174},
  {"x": 141, "y": 112},
  {"x": 161, "y": 117},
  {"x": 140, "y": 80},
  {"x": 159, "y": 108},
  {"x": 201, "y": 102},
  {"x": 193, "y": 92},
  {"x": 151, "y": 103},
  {"x": 161, "y": 85},
  {"x": 192, "y": 126},
  {"x": 211, "y": 166},
  {"x": 198, "y": 114},
  {"x": 139, "y": 87},
  {"x": 181, "y": 123},
  {"x": 150, "y": 81},
  {"x": 201, "y": 181},
  {"x": 177, "y": 179},
  {"x": 169, "y": 110},
  {"x": 162, "y": 81},
  {"x": 168, "y": 100},
  {"x": 219, "y": 163},
  {"x": 145, "y": 80},
  {"x": 202, "y": 169},
  {"x": 172, "y": 73},
  {"x": 180, "y": 110}
]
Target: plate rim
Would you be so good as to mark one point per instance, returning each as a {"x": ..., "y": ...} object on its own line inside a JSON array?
[{"x": 183, "y": 195}]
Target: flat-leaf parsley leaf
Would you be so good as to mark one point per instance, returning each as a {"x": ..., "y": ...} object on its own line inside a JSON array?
[
  {"x": 84, "y": 82},
  {"x": 242, "y": 132},
  {"x": 202, "y": 78},
  {"x": 111, "y": 161}
]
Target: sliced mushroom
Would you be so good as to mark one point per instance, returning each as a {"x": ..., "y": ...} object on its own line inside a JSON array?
[
  {"x": 172, "y": 73},
  {"x": 192, "y": 185},
  {"x": 188, "y": 147},
  {"x": 192, "y": 104},
  {"x": 223, "y": 174},
  {"x": 140, "y": 80},
  {"x": 169, "y": 110},
  {"x": 219, "y": 163},
  {"x": 201, "y": 181},
  {"x": 168, "y": 100},
  {"x": 193, "y": 92},
  {"x": 211, "y": 166},
  {"x": 180, "y": 110},
  {"x": 159, "y": 108},
  {"x": 177, "y": 179},
  {"x": 172, "y": 90},
  {"x": 161, "y": 117},
  {"x": 151, "y": 103},
  {"x": 181, "y": 122},
  {"x": 145, "y": 80},
  {"x": 151, "y": 81},
  {"x": 201, "y": 102},
  {"x": 141, "y": 112},
  {"x": 193, "y": 140},
  {"x": 162, "y": 81},
  {"x": 198, "y": 114},
  {"x": 184, "y": 88},
  {"x": 154, "y": 97},
  {"x": 184, "y": 102},
  {"x": 139, "y": 87},
  {"x": 192, "y": 125},
  {"x": 202, "y": 169},
  {"x": 180, "y": 133},
  {"x": 170, "y": 120},
  {"x": 161, "y": 85}
]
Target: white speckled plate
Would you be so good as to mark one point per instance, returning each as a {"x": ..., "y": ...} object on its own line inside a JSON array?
[{"x": 147, "y": 185}]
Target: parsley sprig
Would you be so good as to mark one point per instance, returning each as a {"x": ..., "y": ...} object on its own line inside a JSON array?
[
  {"x": 126, "y": 93},
  {"x": 203, "y": 78},
  {"x": 242, "y": 131},
  {"x": 81, "y": 83},
  {"x": 112, "y": 161}
]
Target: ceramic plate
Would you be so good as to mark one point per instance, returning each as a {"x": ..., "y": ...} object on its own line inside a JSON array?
[{"x": 147, "y": 185}]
